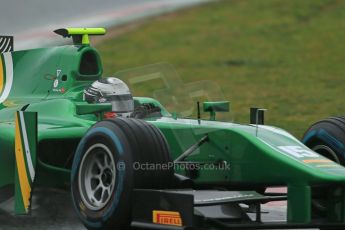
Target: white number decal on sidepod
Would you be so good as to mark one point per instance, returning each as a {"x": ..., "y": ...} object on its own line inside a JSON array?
[{"x": 298, "y": 151}]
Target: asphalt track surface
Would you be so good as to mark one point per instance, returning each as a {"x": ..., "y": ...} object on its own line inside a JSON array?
[
  {"x": 31, "y": 22},
  {"x": 53, "y": 210},
  {"x": 20, "y": 15}
]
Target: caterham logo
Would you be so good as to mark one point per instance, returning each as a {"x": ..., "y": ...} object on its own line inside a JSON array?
[{"x": 167, "y": 218}]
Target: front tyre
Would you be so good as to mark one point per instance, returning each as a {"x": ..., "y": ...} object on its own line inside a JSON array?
[
  {"x": 101, "y": 178},
  {"x": 103, "y": 173}
]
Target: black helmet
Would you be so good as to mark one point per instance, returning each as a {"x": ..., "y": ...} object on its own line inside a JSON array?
[{"x": 110, "y": 90}]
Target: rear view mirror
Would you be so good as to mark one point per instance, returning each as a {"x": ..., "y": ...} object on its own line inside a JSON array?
[{"x": 216, "y": 106}]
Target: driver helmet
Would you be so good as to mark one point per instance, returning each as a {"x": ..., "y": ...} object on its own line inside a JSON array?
[{"x": 111, "y": 90}]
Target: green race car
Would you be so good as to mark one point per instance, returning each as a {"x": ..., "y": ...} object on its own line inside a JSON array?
[{"x": 129, "y": 162}]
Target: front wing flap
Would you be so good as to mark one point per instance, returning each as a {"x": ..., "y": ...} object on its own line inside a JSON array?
[{"x": 207, "y": 209}]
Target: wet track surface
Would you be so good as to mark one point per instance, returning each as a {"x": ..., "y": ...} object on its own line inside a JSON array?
[
  {"x": 52, "y": 209},
  {"x": 20, "y": 15},
  {"x": 32, "y": 22}
]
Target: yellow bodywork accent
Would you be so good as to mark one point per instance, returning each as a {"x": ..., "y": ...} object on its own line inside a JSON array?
[
  {"x": 85, "y": 32},
  {"x": 22, "y": 173},
  {"x": 1, "y": 76},
  {"x": 88, "y": 31}
]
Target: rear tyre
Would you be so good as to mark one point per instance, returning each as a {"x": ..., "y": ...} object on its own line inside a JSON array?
[
  {"x": 106, "y": 169},
  {"x": 326, "y": 137}
]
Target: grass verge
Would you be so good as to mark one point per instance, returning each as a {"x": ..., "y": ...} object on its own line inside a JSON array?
[{"x": 286, "y": 56}]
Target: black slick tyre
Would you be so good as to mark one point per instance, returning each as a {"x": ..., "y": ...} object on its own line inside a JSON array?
[{"x": 327, "y": 137}]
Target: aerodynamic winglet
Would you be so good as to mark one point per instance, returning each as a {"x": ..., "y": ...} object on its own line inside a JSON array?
[{"x": 80, "y": 36}]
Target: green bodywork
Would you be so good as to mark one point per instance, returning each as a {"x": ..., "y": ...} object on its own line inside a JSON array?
[{"x": 50, "y": 82}]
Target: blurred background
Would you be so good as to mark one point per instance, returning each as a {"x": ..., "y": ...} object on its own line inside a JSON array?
[
  {"x": 32, "y": 22},
  {"x": 285, "y": 56}
]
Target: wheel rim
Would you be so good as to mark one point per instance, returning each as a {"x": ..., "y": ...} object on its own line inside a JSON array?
[
  {"x": 97, "y": 177},
  {"x": 326, "y": 152}
]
